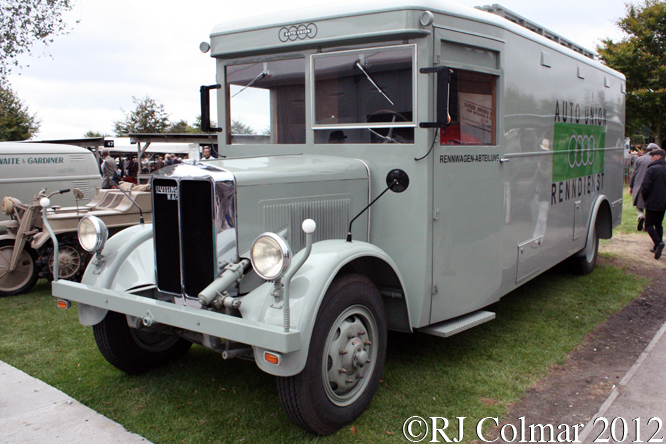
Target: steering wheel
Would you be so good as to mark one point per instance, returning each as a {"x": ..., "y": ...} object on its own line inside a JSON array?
[{"x": 395, "y": 116}]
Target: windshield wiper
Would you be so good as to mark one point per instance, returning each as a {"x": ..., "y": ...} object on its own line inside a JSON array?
[
  {"x": 252, "y": 82},
  {"x": 373, "y": 83}
]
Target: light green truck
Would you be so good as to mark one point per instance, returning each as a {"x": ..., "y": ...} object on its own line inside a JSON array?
[{"x": 494, "y": 152}]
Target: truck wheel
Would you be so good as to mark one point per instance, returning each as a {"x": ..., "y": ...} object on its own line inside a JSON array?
[
  {"x": 583, "y": 262},
  {"x": 135, "y": 351},
  {"x": 345, "y": 359},
  {"x": 24, "y": 276}
]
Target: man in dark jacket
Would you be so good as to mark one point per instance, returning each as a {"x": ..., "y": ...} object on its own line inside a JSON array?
[
  {"x": 640, "y": 168},
  {"x": 654, "y": 194}
]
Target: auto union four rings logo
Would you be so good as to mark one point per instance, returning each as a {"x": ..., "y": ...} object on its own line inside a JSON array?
[
  {"x": 581, "y": 150},
  {"x": 297, "y": 32}
]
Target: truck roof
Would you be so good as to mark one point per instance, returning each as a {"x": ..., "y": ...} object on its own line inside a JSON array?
[
  {"x": 8, "y": 148},
  {"x": 340, "y": 10}
]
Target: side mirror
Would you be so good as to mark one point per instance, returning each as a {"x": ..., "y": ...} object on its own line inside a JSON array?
[
  {"x": 444, "y": 75},
  {"x": 205, "y": 108},
  {"x": 78, "y": 194},
  {"x": 397, "y": 180}
]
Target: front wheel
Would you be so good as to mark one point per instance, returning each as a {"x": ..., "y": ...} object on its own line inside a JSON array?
[
  {"x": 136, "y": 351},
  {"x": 24, "y": 276},
  {"x": 345, "y": 359}
]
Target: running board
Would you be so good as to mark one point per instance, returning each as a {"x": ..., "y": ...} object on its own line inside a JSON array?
[{"x": 453, "y": 326}]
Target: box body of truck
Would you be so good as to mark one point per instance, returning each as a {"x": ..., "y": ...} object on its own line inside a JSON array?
[{"x": 502, "y": 150}]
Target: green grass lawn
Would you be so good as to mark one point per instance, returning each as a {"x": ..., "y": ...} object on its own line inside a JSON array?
[
  {"x": 201, "y": 398},
  {"x": 629, "y": 214}
]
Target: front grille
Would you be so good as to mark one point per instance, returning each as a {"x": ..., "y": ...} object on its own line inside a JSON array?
[
  {"x": 166, "y": 235},
  {"x": 189, "y": 215},
  {"x": 196, "y": 235}
]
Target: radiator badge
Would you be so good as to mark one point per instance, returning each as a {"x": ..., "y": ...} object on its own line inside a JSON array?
[{"x": 170, "y": 192}]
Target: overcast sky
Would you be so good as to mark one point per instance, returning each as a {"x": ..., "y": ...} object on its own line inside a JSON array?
[{"x": 123, "y": 48}]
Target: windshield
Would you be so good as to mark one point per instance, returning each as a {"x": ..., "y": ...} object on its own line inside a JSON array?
[
  {"x": 267, "y": 102},
  {"x": 370, "y": 88}
]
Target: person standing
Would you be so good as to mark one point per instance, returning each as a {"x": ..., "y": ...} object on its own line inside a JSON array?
[
  {"x": 109, "y": 170},
  {"x": 637, "y": 176},
  {"x": 654, "y": 194}
]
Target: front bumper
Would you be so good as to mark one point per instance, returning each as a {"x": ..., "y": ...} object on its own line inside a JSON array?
[{"x": 270, "y": 337}]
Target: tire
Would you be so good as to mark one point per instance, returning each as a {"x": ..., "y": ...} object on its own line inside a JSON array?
[
  {"x": 583, "y": 262},
  {"x": 321, "y": 399},
  {"x": 24, "y": 276},
  {"x": 136, "y": 351},
  {"x": 72, "y": 260}
]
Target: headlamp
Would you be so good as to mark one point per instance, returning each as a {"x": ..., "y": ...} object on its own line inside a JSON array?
[
  {"x": 93, "y": 234},
  {"x": 270, "y": 256}
]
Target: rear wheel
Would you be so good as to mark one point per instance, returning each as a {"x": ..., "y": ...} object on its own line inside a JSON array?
[
  {"x": 136, "y": 351},
  {"x": 345, "y": 359},
  {"x": 24, "y": 276},
  {"x": 583, "y": 262}
]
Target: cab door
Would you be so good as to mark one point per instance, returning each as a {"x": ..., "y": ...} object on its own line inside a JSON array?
[{"x": 468, "y": 194}]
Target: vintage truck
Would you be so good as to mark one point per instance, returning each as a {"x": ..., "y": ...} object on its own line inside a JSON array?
[{"x": 422, "y": 160}]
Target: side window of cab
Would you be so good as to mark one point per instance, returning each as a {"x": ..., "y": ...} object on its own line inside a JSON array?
[{"x": 472, "y": 107}]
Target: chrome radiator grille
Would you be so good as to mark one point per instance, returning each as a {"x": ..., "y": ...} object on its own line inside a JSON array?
[{"x": 192, "y": 215}]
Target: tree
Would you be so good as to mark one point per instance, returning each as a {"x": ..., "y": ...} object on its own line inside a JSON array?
[
  {"x": 16, "y": 122},
  {"x": 238, "y": 127},
  {"x": 91, "y": 134},
  {"x": 148, "y": 117},
  {"x": 641, "y": 56},
  {"x": 182, "y": 127},
  {"x": 26, "y": 22}
]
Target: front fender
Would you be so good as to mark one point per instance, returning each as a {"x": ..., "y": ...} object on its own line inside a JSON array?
[
  {"x": 128, "y": 261},
  {"x": 307, "y": 291}
]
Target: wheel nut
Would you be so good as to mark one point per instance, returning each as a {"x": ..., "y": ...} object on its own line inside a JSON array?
[
  {"x": 349, "y": 380},
  {"x": 367, "y": 343},
  {"x": 342, "y": 370},
  {"x": 343, "y": 351},
  {"x": 350, "y": 335},
  {"x": 359, "y": 376},
  {"x": 361, "y": 332}
]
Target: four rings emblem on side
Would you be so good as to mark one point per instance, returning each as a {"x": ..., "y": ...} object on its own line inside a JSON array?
[{"x": 581, "y": 150}]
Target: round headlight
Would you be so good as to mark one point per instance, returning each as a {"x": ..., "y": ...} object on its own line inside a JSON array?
[
  {"x": 7, "y": 206},
  {"x": 270, "y": 256},
  {"x": 92, "y": 234}
]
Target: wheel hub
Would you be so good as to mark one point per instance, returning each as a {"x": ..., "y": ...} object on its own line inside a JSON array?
[
  {"x": 348, "y": 356},
  {"x": 69, "y": 262}
]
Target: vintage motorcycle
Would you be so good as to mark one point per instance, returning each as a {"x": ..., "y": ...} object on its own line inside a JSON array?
[{"x": 26, "y": 249}]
